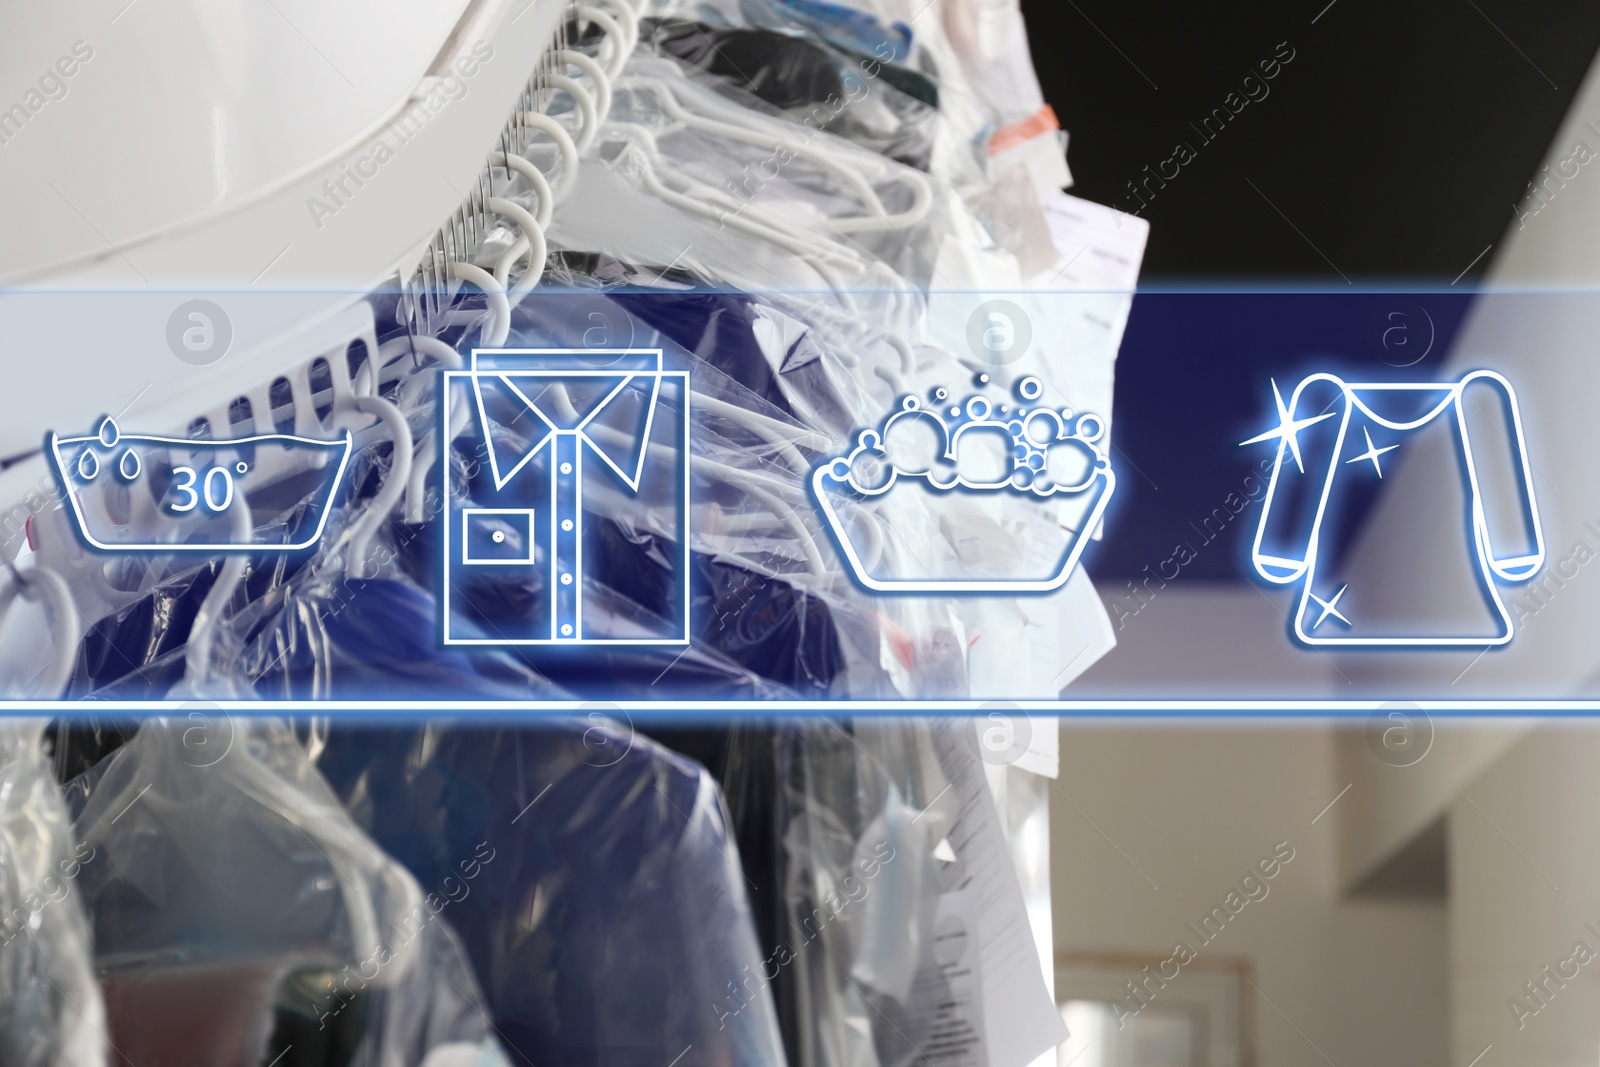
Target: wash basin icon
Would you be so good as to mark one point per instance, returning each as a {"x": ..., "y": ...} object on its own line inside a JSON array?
[
  {"x": 150, "y": 493},
  {"x": 982, "y": 456}
]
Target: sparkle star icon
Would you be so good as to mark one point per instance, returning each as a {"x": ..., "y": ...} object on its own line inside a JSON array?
[
  {"x": 1287, "y": 428},
  {"x": 1329, "y": 607},
  {"x": 1372, "y": 453}
]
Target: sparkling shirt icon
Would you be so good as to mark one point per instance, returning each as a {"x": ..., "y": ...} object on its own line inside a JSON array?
[
  {"x": 584, "y": 460},
  {"x": 1336, "y": 441}
]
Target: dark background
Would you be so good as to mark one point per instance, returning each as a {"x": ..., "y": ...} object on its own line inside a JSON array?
[
  {"x": 1385, "y": 163},
  {"x": 1398, "y": 138}
]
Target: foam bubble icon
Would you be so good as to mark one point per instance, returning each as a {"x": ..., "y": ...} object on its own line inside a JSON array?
[{"x": 1023, "y": 451}]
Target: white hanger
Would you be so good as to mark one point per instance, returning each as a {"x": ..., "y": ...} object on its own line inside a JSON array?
[
  {"x": 786, "y": 501},
  {"x": 197, "y": 652},
  {"x": 360, "y": 399},
  {"x": 735, "y": 123},
  {"x": 620, "y": 34},
  {"x": 43, "y": 584},
  {"x": 831, "y": 260}
]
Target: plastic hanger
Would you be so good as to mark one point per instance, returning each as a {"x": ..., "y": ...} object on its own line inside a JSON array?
[
  {"x": 620, "y": 32},
  {"x": 849, "y": 168},
  {"x": 786, "y": 502},
  {"x": 42, "y": 584}
]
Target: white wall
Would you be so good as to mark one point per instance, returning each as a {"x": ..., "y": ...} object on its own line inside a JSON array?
[
  {"x": 1542, "y": 336},
  {"x": 1194, "y": 805},
  {"x": 1390, "y": 804},
  {"x": 1525, "y": 879},
  {"x": 1199, "y": 640}
]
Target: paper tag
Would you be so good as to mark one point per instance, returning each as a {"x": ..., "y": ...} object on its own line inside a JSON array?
[
  {"x": 1018, "y": 1018},
  {"x": 1019, "y": 653},
  {"x": 1016, "y": 217},
  {"x": 1037, "y": 143},
  {"x": 1043, "y": 756},
  {"x": 1101, "y": 247},
  {"x": 952, "y": 981},
  {"x": 1039, "y": 124}
]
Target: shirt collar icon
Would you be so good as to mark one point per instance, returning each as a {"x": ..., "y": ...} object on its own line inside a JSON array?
[{"x": 574, "y": 393}]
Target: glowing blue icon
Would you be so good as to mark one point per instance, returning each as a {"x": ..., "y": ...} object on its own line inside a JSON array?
[
  {"x": 1465, "y": 476},
  {"x": 498, "y": 537},
  {"x": 1023, "y": 453},
  {"x": 145, "y": 493},
  {"x": 582, "y": 446}
]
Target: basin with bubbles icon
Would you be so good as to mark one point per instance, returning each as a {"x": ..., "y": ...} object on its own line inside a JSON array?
[
  {"x": 973, "y": 496},
  {"x": 141, "y": 492}
]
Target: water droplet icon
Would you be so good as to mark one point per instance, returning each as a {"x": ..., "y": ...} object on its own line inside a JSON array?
[
  {"x": 128, "y": 466},
  {"x": 88, "y": 465},
  {"x": 108, "y": 432}
]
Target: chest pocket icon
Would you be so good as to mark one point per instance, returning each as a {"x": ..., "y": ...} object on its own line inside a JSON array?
[{"x": 498, "y": 536}]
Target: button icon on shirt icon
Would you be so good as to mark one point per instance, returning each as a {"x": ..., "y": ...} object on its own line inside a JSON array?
[{"x": 578, "y": 444}]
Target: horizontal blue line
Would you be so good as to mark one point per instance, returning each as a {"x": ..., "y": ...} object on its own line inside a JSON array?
[{"x": 1152, "y": 709}]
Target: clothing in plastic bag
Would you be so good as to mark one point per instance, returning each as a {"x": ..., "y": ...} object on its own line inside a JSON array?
[
  {"x": 764, "y": 202},
  {"x": 758, "y": 581},
  {"x": 742, "y": 755},
  {"x": 851, "y": 26},
  {"x": 898, "y": 891},
  {"x": 775, "y": 390},
  {"x": 843, "y": 857},
  {"x": 886, "y": 108},
  {"x": 858, "y": 878},
  {"x": 607, "y": 915},
  {"x": 224, "y": 866},
  {"x": 753, "y": 630},
  {"x": 51, "y": 1011}
]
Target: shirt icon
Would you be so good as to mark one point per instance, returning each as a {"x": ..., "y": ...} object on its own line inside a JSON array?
[
  {"x": 584, "y": 460},
  {"x": 1474, "y": 506}
]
